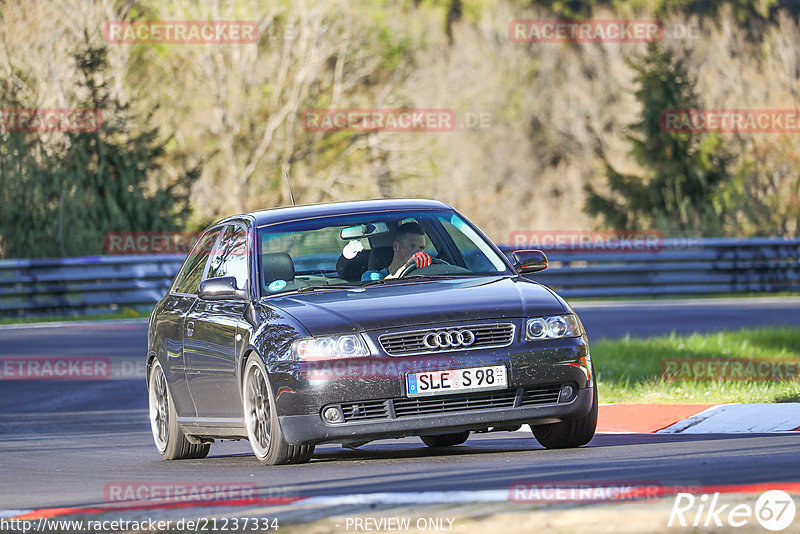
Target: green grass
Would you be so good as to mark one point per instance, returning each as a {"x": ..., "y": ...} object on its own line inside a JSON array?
[{"x": 629, "y": 370}]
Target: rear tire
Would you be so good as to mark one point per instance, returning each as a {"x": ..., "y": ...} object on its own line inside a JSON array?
[
  {"x": 261, "y": 419},
  {"x": 570, "y": 433},
  {"x": 170, "y": 440},
  {"x": 445, "y": 440}
]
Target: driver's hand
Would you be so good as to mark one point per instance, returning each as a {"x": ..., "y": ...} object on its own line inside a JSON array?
[{"x": 421, "y": 259}]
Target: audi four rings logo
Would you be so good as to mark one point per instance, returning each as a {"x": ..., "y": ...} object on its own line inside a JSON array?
[{"x": 451, "y": 338}]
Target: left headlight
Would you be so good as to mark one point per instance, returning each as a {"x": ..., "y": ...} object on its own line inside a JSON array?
[
  {"x": 330, "y": 347},
  {"x": 552, "y": 327}
]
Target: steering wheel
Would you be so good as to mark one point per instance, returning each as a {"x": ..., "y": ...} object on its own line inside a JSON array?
[{"x": 413, "y": 267}]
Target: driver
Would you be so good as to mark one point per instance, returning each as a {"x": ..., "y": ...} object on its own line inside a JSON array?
[{"x": 408, "y": 247}]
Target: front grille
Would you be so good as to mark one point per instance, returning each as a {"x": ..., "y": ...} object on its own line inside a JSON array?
[
  {"x": 486, "y": 336},
  {"x": 365, "y": 410},
  {"x": 410, "y": 407},
  {"x": 454, "y": 403}
]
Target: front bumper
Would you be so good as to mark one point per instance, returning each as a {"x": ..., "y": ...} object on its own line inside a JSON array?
[
  {"x": 377, "y": 385},
  {"x": 311, "y": 429},
  {"x": 303, "y": 389}
]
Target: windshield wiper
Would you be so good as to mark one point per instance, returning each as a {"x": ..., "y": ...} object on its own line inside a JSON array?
[
  {"x": 411, "y": 278},
  {"x": 384, "y": 281},
  {"x": 308, "y": 289},
  {"x": 441, "y": 276}
]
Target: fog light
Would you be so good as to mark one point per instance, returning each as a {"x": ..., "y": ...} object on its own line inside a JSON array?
[
  {"x": 332, "y": 415},
  {"x": 566, "y": 393}
]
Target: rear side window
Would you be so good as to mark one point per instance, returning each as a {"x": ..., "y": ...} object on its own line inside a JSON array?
[{"x": 188, "y": 281}]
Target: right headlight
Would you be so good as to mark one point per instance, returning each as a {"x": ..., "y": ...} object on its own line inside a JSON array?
[
  {"x": 330, "y": 347},
  {"x": 552, "y": 327}
]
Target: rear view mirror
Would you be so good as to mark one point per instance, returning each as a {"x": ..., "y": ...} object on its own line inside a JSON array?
[
  {"x": 529, "y": 261},
  {"x": 223, "y": 288},
  {"x": 364, "y": 230}
]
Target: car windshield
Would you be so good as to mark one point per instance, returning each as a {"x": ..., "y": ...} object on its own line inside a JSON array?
[{"x": 372, "y": 248}]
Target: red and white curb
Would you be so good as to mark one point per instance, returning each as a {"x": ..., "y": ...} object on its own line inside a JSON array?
[
  {"x": 753, "y": 418},
  {"x": 624, "y": 491}
]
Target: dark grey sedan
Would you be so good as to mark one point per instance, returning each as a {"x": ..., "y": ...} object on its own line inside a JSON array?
[{"x": 350, "y": 322}]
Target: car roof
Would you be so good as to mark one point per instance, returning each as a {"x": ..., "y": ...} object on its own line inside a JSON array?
[{"x": 293, "y": 213}]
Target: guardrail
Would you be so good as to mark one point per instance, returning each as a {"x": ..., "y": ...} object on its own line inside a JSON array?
[
  {"x": 84, "y": 285},
  {"x": 97, "y": 283},
  {"x": 674, "y": 267}
]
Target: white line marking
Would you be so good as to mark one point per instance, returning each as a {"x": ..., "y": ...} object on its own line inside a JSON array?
[
  {"x": 426, "y": 497},
  {"x": 750, "y": 418},
  {"x": 13, "y": 513},
  {"x": 722, "y": 301},
  {"x": 61, "y": 324}
]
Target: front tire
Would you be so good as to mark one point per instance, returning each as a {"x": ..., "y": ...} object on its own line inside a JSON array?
[
  {"x": 170, "y": 440},
  {"x": 570, "y": 433},
  {"x": 261, "y": 420},
  {"x": 445, "y": 440}
]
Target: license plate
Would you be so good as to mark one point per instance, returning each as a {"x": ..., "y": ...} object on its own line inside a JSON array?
[{"x": 424, "y": 383}]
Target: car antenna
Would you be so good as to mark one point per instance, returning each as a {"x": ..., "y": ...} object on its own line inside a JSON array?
[{"x": 288, "y": 184}]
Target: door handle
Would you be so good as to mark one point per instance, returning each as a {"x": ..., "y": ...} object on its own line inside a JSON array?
[{"x": 189, "y": 328}]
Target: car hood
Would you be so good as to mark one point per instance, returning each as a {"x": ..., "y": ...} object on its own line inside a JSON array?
[{"x": 418, "y": 303}]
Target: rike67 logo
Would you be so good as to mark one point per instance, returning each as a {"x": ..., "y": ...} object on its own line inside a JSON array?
[{"x": 774, "y": 510}]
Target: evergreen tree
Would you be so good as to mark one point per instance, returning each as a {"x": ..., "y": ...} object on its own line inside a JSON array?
[
  {"x": 683, "y": 170},
  {"x": 60, "y": 197}
]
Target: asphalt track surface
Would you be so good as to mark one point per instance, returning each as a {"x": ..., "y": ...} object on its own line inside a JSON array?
[{"x": 64, "y": 442}]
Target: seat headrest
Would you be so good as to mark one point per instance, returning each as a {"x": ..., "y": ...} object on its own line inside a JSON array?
[
  {"x": 380, "y": 258},
  {"x": 352, "y": 269},
  {"x": 277, "y": 266}
]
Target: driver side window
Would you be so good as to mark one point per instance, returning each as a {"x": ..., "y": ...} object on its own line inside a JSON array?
[
  {"x": 189, "y": 278},
  {"x": 230, "y": 256}
]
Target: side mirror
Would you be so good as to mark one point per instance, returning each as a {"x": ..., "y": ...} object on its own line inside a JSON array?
[
  {"x": 223, "y": 288},
  {"x": 529, "y": 261}
]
